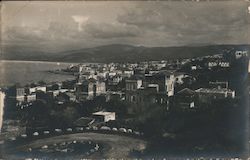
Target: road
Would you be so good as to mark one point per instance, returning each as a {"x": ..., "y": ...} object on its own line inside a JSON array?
[{"x": 114, "y": 146}]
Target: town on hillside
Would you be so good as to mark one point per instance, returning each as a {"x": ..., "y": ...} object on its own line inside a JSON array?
[{"x": 188, "y": 106}]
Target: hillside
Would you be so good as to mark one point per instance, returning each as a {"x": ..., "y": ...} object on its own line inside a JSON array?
[{"x": 124, "y": 53}]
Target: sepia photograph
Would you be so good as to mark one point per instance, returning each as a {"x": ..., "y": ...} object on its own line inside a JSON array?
[{"x": 125, "y": 80}]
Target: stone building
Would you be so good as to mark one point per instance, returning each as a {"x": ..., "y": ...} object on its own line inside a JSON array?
[
  {"x": 90, "y": 89},
  {"x": 165, "y": 80},
  {"x": 104, "y": 116},
  {"x": 205, "y": 95},
  {"x": 132, "y": 85},
  {"x": 184, "y": 99}
]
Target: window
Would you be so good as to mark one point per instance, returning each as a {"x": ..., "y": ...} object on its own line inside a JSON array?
[{"x": 132, "y": 98}]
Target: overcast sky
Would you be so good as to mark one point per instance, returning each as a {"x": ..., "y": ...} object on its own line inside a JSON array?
[{"x": 59, "y": 26}]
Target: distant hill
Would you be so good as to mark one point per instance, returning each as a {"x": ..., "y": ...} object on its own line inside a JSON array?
[{"x": 125, "y": 53}]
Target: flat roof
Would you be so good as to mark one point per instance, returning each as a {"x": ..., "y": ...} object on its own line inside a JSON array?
[
  {"x": 102, "y": 113},
  {"x": 213, "y": 90}
]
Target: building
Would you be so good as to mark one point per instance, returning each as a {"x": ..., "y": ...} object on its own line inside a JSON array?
[
  {"x": 133, "y": 84},
  {"x": 143, "y": 92},
  {"x": 218, "y": 84},
  {"x": 90, "y": 89},
  {"x": 150, "y": 95},
  {"x": 185, "y": 99},
  {"x": 112, "y": 74},
  {"x": 20, "y": 94},
  {"x": 239, "y": 54},
  {"x": 20, "y": 99},
  {"x": 112, "y": 95},
  {"x": 37, "y": 88},
  {"x": 100, "y": 88},
  {"x": 218, "y": 63},
  {"x": 128, "y": 73},
  {"x": 71, "y": 96},
  {"x": 30, "y": 97},
  {"x": 194, "y": 67},
  {"x": 102, "y": 116},
  {"x": 131, "y": 87},
  {"x": 207, "y": 94},
  {"x": 84, "y": 122},
  {"x": 141, "y": 96},
  {"x": 145, "y": 95},
  {"x": 79, "y": 91},
  {"x": 164, "y": 79},
  {"x": 55, "y": 93},
  {"x": 95, "y": 88},
  {"x": 65, "y": 97},
  {"x": 179, "y": 76},
  {"x": 55, "y": 86},
  {"x": 249, "y": 66},
  {"x": 114, "y": 80},
  {"x": 2, "y": 99}
]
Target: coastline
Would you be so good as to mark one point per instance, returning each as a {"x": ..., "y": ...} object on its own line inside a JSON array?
[
  {"x": 60, "y": 72},
  {"x": 43, "y": 62},
  {"x": 46, "y": 62},
  {"x": 23, "y": 72}
]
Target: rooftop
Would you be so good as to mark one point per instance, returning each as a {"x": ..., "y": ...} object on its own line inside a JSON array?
[
  {"x": 166, "y": 72},
  {"x": 179, "y": 73},
  {"x": 213, "y": 90},
  {"x": 102, "y": 113},
  {"x": 83, "y": 121},
  {"x": 186, "y": 91}
]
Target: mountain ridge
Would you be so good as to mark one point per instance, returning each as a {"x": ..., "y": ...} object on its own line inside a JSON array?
[{"x": 124, "y": 53}]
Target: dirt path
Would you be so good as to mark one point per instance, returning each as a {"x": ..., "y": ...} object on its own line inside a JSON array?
[{"x": 115, "y": 146}]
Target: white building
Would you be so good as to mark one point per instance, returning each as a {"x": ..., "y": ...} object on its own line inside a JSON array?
[
  {"x": 193, "y": 67},
  {"x": 2, "y": 97},
  {"x": 38, "y": 88},
  {"x": 221, "y": 64},
  {"x": 169, "y": 83},
  {"x": 20, "y": 99},
  {"x": 179, "y": 77},
  {"x": 104, "y": 116},
  {"x": 249, "y": 66},
  {"x": 30, "y": 97},
  {"x": 55, "y": 93},
  {"x": 239, "y": 54},
  {"x": 111, "y": 74},
  {"x": 100, "y": 88},
  {"x": 20, "y": 91},
  {"x": 206, "y": 94},
  {"x": 133, "y": 84},
  {"x": 128, "y": 73}
]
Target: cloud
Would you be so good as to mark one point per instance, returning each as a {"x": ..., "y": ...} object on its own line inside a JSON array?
[
  {"x": 112, "y": 30},
  {"x": 80, "y": 20},
  {"x": 23, "y": 35},
  {"x": 210, "y": 22},
  {"x": 184, "y": 15},
  {"x": 156, "y": 23}
]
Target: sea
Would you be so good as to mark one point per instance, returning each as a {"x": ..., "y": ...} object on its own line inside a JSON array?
[{"x": 26, "y": 72}]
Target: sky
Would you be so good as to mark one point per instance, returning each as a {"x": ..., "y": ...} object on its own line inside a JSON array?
[{"x": 66, "y": 25}]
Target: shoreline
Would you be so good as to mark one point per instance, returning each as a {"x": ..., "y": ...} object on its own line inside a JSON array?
[
  {"x": 61, "y": 72},
  {"x": 47, "y": 62},
  {"x": 42, "y": 62}
]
